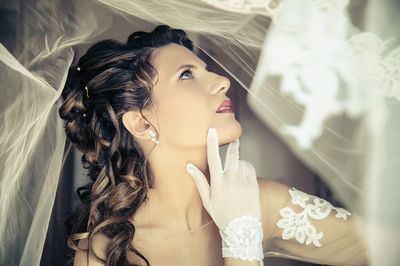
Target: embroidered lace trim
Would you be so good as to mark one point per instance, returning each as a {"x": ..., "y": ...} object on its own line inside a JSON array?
[
  {"x": 262, "y": 7},
  {"x": 297, "y": 225},
  {"x": 242, "y": 239}
]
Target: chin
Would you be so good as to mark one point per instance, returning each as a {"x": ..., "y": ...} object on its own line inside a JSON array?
[{"x": 230, "y": 133}]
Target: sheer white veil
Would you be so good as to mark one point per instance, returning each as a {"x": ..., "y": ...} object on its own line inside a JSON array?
[{"x": 328, "y": 89}]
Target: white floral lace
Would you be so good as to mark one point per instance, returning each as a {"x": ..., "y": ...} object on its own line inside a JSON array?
[
  {"x": 262, "y": 7},
  {"x": 242, "y": 238},
  {"x": 297, "y": 225},
  {"x": 327, "y": 65},
  {"x": 382, "y": 72}
]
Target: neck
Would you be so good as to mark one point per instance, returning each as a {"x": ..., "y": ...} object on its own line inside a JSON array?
[{"x": 175, "y": 200}]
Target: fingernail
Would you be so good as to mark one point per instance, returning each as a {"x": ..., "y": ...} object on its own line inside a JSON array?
[
  {"x": 190, "y": 168},
  {"x": 210, "y": 132}
]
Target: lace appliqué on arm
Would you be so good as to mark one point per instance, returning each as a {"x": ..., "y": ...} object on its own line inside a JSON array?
[
  {"x": 243, "y": 239},
  {"x": 297, "y": 225}
]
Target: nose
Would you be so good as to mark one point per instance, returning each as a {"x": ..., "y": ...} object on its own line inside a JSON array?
[{"x": 221, "y": 85}]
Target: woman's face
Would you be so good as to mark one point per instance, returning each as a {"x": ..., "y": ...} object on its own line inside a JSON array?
[{"x": 186, "y": 98}]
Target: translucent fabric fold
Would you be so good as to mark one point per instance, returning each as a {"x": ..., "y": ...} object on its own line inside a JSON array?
[{"x": 327, "y": 87}]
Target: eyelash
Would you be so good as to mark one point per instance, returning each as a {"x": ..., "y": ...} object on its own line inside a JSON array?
[{"x": 188, "y": 70}]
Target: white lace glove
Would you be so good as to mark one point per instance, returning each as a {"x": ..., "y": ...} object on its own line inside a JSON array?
[{"x": 232, "y": 200}]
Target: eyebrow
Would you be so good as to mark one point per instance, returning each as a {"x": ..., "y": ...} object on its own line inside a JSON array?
[{"x": 187, "y": 66}]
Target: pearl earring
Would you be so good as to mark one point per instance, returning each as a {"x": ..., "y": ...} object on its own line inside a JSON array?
[{"x": 153, "y": 136}]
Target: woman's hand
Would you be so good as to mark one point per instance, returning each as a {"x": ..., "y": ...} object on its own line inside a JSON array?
[{"x": 232, "y": 200}]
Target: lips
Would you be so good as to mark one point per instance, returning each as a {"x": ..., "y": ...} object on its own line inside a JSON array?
[{"x": 226, "y": 106}]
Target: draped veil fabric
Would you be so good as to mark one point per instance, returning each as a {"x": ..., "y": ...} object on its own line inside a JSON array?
[{"x": 328, "y": 89}]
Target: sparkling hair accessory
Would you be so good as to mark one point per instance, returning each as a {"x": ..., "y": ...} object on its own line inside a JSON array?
[{"x": 86, "y": 88}]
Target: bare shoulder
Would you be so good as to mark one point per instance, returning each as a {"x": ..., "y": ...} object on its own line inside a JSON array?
[
  {"x": 99, "y": 245},
  {"x": 273, "y": 197}
]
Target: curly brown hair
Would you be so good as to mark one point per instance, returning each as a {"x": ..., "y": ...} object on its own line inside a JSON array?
[{"x": 118, "y": 77}]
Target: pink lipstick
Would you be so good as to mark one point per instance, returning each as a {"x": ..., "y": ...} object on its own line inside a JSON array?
[{"x": 225, "y": 107}]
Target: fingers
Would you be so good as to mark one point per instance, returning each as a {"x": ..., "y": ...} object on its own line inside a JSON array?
[
  {"x": 246, "y": 173},
  {"x": 252, "y": 175},
  {"x": 213, "y": 157},
  {"x": 242, "y": 172},
  {"x": 201, "y": 183},
  {"x": 232, "y": 157}
]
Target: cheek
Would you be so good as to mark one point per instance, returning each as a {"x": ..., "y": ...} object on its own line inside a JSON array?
[{"x": 185, "y": 116}]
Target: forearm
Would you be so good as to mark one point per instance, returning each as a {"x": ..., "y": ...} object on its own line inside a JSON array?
[{"x": 239, "y": 262}]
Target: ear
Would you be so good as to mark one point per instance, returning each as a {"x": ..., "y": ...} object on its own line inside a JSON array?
[{"x": 136, "y": 124}]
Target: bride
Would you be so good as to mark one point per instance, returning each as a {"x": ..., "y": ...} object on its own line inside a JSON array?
[{"x": 149, "y": 117}]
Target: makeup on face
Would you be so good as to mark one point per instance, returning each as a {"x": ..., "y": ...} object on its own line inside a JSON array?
[{"x": 225, "y": 107}]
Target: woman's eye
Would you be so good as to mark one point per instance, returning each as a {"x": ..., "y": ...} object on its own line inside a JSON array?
[{"x": 186, "y": 74}]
